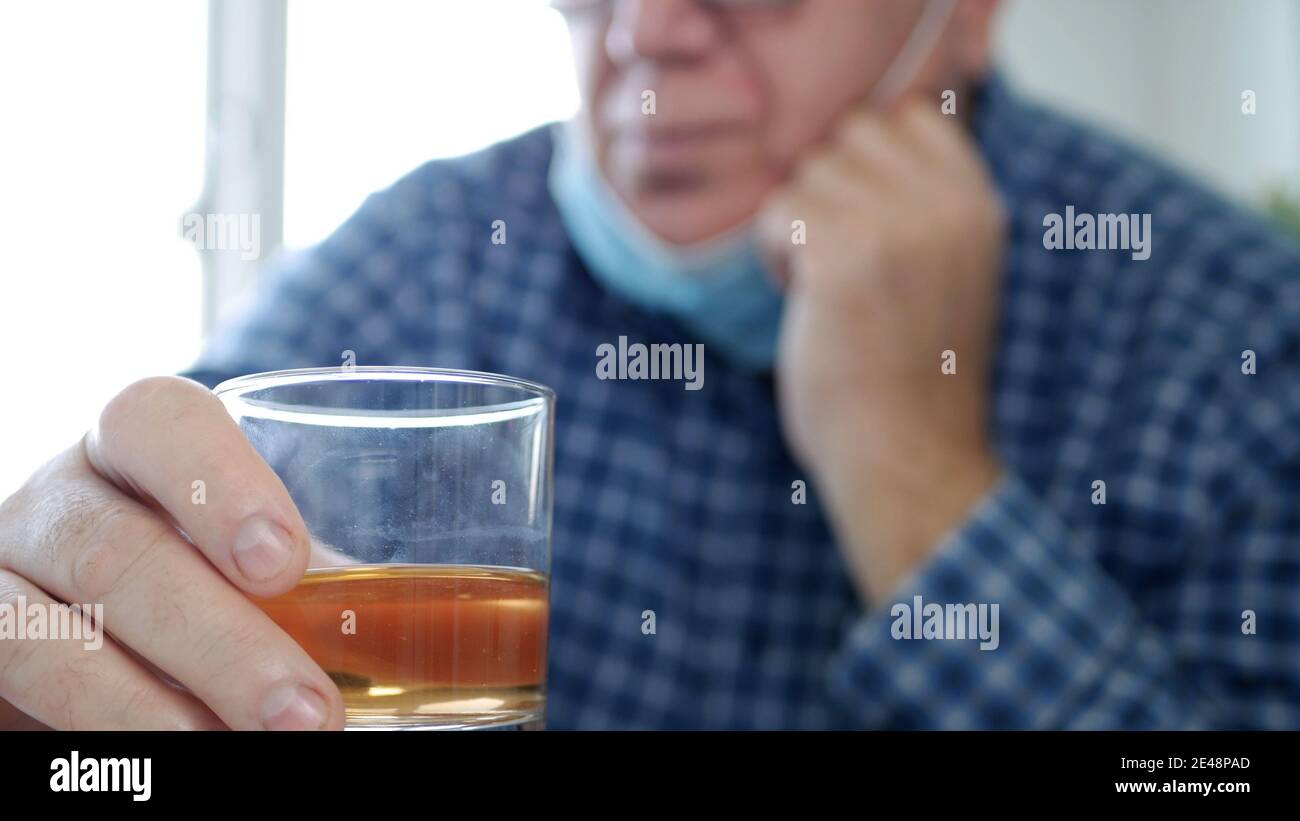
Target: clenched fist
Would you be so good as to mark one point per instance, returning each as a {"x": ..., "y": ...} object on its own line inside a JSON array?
[{"x": 111, "y": 521}]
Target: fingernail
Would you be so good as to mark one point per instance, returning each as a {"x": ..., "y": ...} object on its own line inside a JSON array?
[
  {"x": 294, "y": 707},
  {"x": 262, "y": 549}
]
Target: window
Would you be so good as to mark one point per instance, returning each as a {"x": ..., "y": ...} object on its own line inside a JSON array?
[
  {"x": 375, "y": 89},
  {"x": 101, "y": 153},
  {"x": 102, "y": 159}
]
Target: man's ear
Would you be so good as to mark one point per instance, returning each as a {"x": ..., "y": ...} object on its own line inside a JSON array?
[{"x": 972, "y": 27}]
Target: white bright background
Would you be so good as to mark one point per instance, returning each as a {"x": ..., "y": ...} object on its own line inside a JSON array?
[
  {"x": 101, "y": 151},
  {"x": 375, "y": 88},
  {"x": 1169, "y": 74},
  {"x": 101, "y": 144}
]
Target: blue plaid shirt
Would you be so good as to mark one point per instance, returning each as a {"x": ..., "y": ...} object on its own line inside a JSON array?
[{"x": 1128, "y": 614}]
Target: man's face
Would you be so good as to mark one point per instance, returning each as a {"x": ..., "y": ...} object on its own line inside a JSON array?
[{"x": 739, "y": 94}]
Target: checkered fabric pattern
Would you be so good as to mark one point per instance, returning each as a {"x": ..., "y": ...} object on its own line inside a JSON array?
[{"x": 1127, "y": 614}]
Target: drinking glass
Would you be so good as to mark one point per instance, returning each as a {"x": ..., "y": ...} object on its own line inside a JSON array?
[{"x": 427, "y": 493}]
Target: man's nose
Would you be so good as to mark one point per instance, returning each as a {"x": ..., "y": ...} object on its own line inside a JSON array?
[{"x": 663, "y": 30}]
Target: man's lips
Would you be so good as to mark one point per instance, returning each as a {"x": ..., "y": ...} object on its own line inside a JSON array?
[
  {"x": 674, "y": 146},
  {"x": 661, "y": 135}
]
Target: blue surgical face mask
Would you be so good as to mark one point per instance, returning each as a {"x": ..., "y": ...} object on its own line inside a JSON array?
[{"x": 720, "y": 290}]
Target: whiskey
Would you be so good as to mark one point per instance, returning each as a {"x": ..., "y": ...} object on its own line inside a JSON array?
[
  {"x": 433, "y": 646},
  {"x": 428, "y": 646}
]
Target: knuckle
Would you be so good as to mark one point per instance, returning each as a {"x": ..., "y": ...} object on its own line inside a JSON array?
[
  {"x": 66, "y": 518},
  {"x": 120, "y": 541},
  {"x": 172, "y": 395},
  {"x": 24, "y": 512},
  {"x": 231, "y": 639},
  {"x": 229, "y": 651}
]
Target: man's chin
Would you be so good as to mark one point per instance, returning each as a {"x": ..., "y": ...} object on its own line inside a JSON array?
[
  {"x": 687, "y": 218},
  {"x": 688, "y": 208}
]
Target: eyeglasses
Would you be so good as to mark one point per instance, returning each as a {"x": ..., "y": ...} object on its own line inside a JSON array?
[{"x": 577, "y": 7}]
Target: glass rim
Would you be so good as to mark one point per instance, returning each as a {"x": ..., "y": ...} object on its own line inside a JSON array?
[
  {"x": 404, "y": 373},
  {"x": 235, "y": 391}
]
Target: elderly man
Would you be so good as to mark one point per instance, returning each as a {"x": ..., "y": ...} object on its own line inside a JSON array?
[{"x": 953, "y": 458}]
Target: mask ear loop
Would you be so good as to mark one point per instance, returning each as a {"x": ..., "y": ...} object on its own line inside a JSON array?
[
  {"x": 915, "y": 51},
  {"x": 899, "y": 75}
]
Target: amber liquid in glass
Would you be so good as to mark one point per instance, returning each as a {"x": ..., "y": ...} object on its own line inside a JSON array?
[{"x": 425, "y": 646}]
